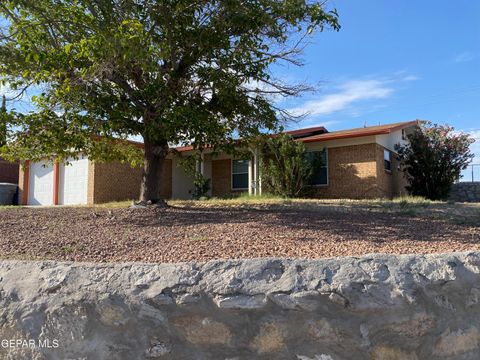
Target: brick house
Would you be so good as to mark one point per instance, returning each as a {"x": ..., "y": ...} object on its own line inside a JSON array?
[{"x": 357, "y": 163}]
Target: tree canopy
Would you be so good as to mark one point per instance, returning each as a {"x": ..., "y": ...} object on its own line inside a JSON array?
[
  {"x": 433, "y": 159},
  {"x": 171, "y": 71}
]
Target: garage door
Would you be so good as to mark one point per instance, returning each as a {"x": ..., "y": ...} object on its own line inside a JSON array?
[
  {"x": 40, "y": 190},
  {"x": 73, "y": 182}
]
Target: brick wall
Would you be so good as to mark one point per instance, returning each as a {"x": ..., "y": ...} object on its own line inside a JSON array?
[
  {"x": 8, "y": 172},
  {"x": 221, "y": 177},
  {"x": 116, "y": 182},
  {"x": 352, "y": 173},
  {"x": 357, "y": 172},
  {"x": 392, "y": 183},
  {"x": 385, "y": 177}
]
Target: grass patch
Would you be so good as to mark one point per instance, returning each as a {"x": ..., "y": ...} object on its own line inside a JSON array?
[
  {"x": 199, "y": 238},
  {"x": 114, "y": 205},
  {"x": 10, "y": 207},
  {"x": 402, "y": 203},
  {"x": 408, "y": 206},
  {"x": 242, "y": 199}
]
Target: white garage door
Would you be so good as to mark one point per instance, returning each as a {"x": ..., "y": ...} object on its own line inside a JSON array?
[
  {"x": 40, "y": 190},
  {"x": 73, "y": 182}
]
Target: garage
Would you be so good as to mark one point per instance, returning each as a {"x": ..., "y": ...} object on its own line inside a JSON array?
[
  {"x": 41, "y": 183},
  {"x": 73, "y": 182},
  {"x": 58, "y": 184},
  {"x": 81, "y": 181}
]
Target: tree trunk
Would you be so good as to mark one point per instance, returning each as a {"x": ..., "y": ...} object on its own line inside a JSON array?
[{"x": 154, "y": 160}]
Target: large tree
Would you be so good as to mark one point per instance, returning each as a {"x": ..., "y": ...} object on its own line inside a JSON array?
[
  {"x": 171, "y": 71},
  {"x": 433, "y": 159}
]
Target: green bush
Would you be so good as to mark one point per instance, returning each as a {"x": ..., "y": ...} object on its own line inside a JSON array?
[
  {"x": 201, "y": 185},
  {"x": 285, "y": 167},
  {"x": 433, "y": 158}
]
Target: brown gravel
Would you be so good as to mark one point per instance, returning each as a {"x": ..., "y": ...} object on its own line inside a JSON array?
[{"x": 203, "y": 233}]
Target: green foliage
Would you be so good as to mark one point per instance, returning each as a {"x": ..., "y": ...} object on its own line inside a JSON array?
[
  {"x": 171, "y": 72},
  {"x": 433, "y": 158},
  {"x": 285, "y": 168},
  {"x": 201, "y": 185}
]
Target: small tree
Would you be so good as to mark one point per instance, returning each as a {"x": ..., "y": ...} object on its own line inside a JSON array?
[
  {"x": 433, "y": 159},
  {"x": 285, "y": 168}
]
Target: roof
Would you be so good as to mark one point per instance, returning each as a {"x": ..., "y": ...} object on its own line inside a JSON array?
[
  {"x": 320, "y": 133},
  {"x": 359, "y": 132},
  {"x": 307, "y": 132}
]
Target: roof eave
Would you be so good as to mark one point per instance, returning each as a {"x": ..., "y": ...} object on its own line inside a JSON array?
[{"x": 332, "y": 136}]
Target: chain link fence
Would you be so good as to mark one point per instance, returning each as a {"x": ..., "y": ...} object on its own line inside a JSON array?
[{"x": 471, "y": 173}]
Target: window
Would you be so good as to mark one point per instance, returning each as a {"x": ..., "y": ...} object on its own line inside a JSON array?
[
  {"x": 319, "y": 162},
  {"x": 240, "y": 174},
  {"x": 387, "y": 163}
]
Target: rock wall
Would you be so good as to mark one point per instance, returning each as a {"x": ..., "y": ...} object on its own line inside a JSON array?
[
  {"x": 371, "y": 307},
  {"x": 465, "y": 192}
]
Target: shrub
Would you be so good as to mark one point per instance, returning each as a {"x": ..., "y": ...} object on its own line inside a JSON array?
[
  {"x": 433, "y": 158},
  {"x": 285, "y": 167},
  {"x": 201, "y": 185}
]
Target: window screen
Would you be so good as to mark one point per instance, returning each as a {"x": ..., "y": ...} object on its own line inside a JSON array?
[
  {"x": 319, "y": 162},
  {"x": 386, "y": 160},
  {"x": 240, "y": 174}
]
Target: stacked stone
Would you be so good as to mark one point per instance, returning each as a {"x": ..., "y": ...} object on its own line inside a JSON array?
[
  {"x": 465, "y": 192},
  {"x": 408, "y": 307}
]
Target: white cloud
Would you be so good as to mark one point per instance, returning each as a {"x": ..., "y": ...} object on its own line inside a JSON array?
[
  {"x": 348, "y": 93},
  {"x": 410, "y": 78},
  {"x": 463, "y": 57}
]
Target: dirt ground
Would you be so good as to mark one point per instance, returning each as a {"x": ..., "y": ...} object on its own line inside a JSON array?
[{"x": 203, "y": 231}]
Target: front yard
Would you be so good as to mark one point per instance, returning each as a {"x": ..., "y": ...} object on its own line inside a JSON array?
[{"x": 240, "y": 228}]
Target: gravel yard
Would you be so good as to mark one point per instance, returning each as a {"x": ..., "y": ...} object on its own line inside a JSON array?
[{"x": 204, "y": 230}]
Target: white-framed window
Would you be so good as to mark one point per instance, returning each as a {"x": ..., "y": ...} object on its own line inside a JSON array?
[
  {"x": 319, "y": 162},
  {"x": 387, "y": 161},
  {"x": 240, "y": 174}
]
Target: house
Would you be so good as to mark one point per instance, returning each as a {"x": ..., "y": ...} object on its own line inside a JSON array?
[
  {"x": 357, "y": 163},
  {"x": 8, "y": 172}
]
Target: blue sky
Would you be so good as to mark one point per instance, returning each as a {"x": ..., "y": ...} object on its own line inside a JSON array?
[{"x": 394, "y": 61}]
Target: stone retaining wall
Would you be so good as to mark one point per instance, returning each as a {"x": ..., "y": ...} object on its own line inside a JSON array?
[
  {"x": 371, "y": 307},
  {"x": 465, "y": 192}
]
